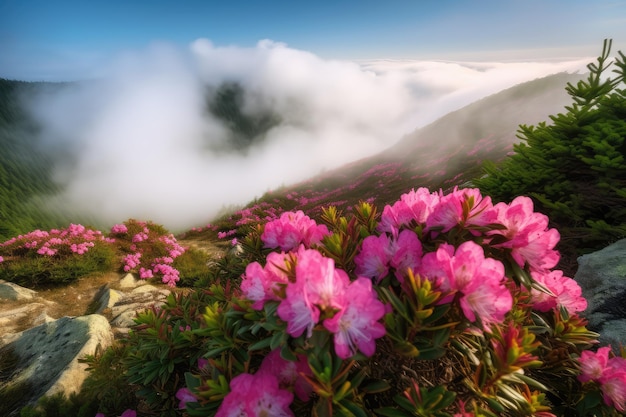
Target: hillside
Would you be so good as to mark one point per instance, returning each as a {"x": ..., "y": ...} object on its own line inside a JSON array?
[
  {"x": 25, "y": 169},
  {"x": 444, "y": 154}
]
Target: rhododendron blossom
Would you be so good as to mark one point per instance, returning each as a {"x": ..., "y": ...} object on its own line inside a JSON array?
[
  {"x": 356, "y": 325},
  {"x": 406, "y": 254},
  {"x": 299, "y": 313},
  {"x": 565, "y": 292},
  {"x": 465, "y": 207},
  {"x": 610, "y": 373},
  {"x": 373, "y": 259},
  {"x": 289, "y": 373},
  {"x": 479, "y": 280},
  {"x": 318, "y": 286},
  {"x": 324, "y": 285},
  {"x": 613, "y": 387},
  {"x": 528, "y": 235},
  {"x": 291, "y": 230},
  {"x": 254, "y": 396},
  {"x": 593, "y": 364},
  {"x": 412, "y": 206},
  {"x": 260, "y": 284},
  {"x": 184, "y": 395},
  {"x": 119, "y": 228}
]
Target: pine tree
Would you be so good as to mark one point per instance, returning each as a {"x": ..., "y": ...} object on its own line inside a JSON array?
[{"x": 574, "y": 168}]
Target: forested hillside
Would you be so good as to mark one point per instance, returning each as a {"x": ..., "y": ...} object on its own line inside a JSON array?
[{"x": 24, "y": 168}]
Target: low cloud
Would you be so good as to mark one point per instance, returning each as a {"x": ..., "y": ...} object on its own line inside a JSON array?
[{"x": 143, "y": 144}]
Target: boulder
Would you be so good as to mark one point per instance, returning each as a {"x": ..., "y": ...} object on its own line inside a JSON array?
[
  {"x": 13, "y": 292},
  {"x": 46, "y": 357},
  {"x": 602, "y": 277},
  {"x": 130, "y": 281},
  {"x": 39, "y": 354}
]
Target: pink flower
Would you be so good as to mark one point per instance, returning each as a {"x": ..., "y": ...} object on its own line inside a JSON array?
[
  {"x": 185, "y": 396},
  {"x": 119, "y": 229},
  {"x": 613, "y": 385},
  {"x": 323, "y": 284},
  {"x": 170, "y": 274},
  {"x": 593, "y": 365},
  {"x": 407, "y": 254},
  {"x": 356, "y": 325},
  {"x": 610, "y": 373},
  {"x": 373, "y": 259},
  {"x": 145, "y": 273},
  {"x": 261, "y": 284},
  {"x": 140, "y": 237},
  {"x": 528, "y": 235},
  {"x": 318, "y": 287},
  {"x": 291, "y": 230},
  {"x": 465, "y": 207},
  {"x": 129, "y": 413},
  {"x": 565, "y": 292},
  {"x": 255, "y": 395},
  {"x": 297, "y": 310},
  {"x": 99, "y": 415},
  {"x": 289, "y": 373},
  {"x": 412, "y": 206},
  {"x": 1, "y": 259},
  {"x": 479, "y": 280},
  {"x": 202, "y": 362}
]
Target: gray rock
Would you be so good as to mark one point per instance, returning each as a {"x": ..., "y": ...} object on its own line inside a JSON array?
[
  {"x": 48, "y": 355},
  {"x": 129, "y": 281},
  {"x": 602, "y": 277},
  {"x": 106, "y": 298},
  {"x": 124, "y": 312},
  {"x": 13, "y": 292}
]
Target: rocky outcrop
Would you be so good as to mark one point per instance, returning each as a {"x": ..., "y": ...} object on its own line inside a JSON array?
[
  {"x": 39, "y": 353},
  {"x": 602, "y": 277}
]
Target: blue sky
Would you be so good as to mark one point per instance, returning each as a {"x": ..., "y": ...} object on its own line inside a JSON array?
[{"x": 69, "y": 39}]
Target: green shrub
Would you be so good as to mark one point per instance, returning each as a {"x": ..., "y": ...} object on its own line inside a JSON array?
[
  {"x": 193, "y": 266},
  {"x": 574, "y": 168},
  {"x": 55, "y": 257}
]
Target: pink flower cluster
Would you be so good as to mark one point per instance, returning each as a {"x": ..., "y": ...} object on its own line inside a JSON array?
[
  {"x": 152, "y": 254},
  {"x": 268, "y": 392},
  {"x": 319, "y": 293},
  {"x": 292, "y": 229},
  {"x": 514, "y": 228},
  {"x": 119, "y": 229},
  {"x": 223, "y": 235},
  {"x": 132, "y": 261},
  {"x": 609, "y": 373},
  {"x": 75, "y": 239}
]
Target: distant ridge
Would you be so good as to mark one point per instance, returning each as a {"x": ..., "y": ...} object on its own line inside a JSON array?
[{"x": 446, "y": 153}]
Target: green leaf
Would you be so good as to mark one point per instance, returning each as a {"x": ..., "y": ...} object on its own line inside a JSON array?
[
  {"x": 391, "y": 412},
  {"x": 261, "y": 344},
  {"x": 375, "y": 386}
]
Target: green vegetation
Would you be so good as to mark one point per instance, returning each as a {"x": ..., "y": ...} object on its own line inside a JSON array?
[
  {"x": 574, "y": 168},
  {"x": 26, "y": 186}
]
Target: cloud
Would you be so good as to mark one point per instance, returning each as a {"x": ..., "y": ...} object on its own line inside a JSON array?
[{"x": 143, "y": 144}]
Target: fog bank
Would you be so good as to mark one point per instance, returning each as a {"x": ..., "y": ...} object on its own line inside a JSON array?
[{"x": 143, "y": 143}]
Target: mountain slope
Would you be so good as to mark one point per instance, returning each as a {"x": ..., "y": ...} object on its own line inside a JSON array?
[{"x": 444, "y": 154}]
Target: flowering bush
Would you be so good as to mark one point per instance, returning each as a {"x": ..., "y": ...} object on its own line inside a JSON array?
[
  {"x": 149, "y": 250},
  {"x": 55, "y": 256},
  {"x": 445, "y": 305}
]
